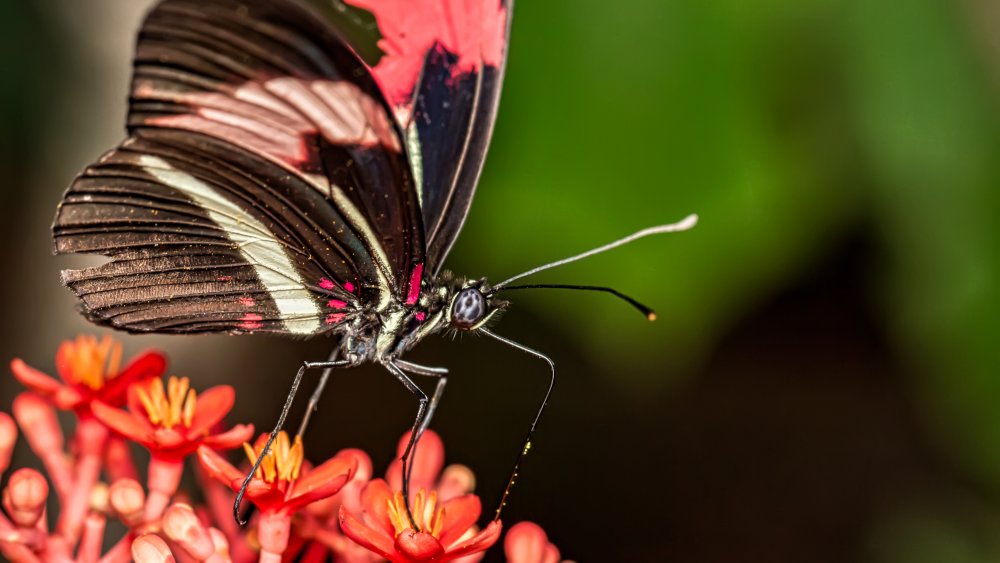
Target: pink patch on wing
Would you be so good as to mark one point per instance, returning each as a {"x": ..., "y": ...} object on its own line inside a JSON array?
[
  {"x": 474, "y": 30},
  {"x": 327, "y": 284},
  {"x": 349, "y": 287},
  {"x": 274, "y": 118},
  {"x": 334, "y": 318},
  {"x": 336, "y": 304},
  {"x": 251, "y": 321},
  {"x": 247, "y": 301},
  {"x": 420, "y": 316},
  {"x": 414, "y": 291}
]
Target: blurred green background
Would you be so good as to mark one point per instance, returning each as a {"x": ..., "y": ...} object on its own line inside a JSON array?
[{"x": 824, "y": 380}]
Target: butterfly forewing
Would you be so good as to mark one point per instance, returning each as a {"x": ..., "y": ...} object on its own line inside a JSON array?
[
  {"x": 264, "y": 186},
  {"x": 442, "y": 69}
]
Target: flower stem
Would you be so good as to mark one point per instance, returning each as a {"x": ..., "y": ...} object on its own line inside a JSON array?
[
  {"x": 163, "y": 480},
  {"x": 273, "y": 530},
  {"x": 38, "y": 422},
  {"x": 90, "y": 438},
  {"x": 118, "y": 460},
  {"x": 91, "y": 540}
]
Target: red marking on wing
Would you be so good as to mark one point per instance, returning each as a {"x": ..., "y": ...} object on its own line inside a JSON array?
[
  {"x": 349, "y": 287},
  {"x": 414, "y": 291},
  {"x": 334, "y": 318},
  {"x": 473, "y": 30},
  {"x": 225, "y": 278},
  {"x": 336, "y": 304},
  {"x": 251, "y": 321},
  {"x": 326, "y": 284},
  {"x": 274, "y": 118},
  {"x": 420, "y": 316},
  {"x": 247, "y": 301}
]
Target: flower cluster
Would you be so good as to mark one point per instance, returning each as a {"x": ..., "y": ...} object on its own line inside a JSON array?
[{"x": 335, "y": 510}]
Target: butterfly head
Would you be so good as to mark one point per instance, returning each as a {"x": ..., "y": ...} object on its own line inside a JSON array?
[{"x": 473, "y": 306}]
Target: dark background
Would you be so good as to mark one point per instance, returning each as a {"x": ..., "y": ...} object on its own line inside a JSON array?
[{"x": 823, "y": 382}]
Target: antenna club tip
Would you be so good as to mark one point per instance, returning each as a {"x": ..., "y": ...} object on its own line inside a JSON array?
[
  {"x": 688, "y": 222},
  {"x": 651, "y": 316}
]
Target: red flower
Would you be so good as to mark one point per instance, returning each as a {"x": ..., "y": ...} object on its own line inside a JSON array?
[
  {"x": 526, "y": 542},
  {"x": 446, "y": 516},
  {"x": 173, "y": 423},
  {"x": 446, "y": 529},
  {"x": 281, "y": 483},
  {"x": 281, "y": 486},
  {"x": 89, "y": 370}
]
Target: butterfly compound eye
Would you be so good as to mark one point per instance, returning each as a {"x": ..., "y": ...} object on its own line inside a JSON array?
[{"x": 469, "y": 308}]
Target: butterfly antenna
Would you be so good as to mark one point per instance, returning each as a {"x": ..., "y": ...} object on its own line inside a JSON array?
[
  {"x": 646, "y": 311},
  {"x": 687, "y": 223},
  {"x": 526, "y": 446}
]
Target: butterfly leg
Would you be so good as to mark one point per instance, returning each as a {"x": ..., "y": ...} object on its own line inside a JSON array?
[
  {"x": 418, "y": 426},
  {"x": 526, "y": 446},
  {"x": 329, "y": 365},
  {"x": 442, "y": 376},
  {"x": 422, "y": 425},
  {"x": 317, "y": 394}
]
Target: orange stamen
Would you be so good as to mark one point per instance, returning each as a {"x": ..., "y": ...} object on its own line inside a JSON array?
[
  {"x": 93, "y": 362},
  {"x": 427, "y": 515},
  {"x": 171, "y": 407},
  {"x": 283, "y": 461}
]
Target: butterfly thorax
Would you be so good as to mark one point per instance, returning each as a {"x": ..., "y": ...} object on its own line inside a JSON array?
[{"x": 446, "y": 303}]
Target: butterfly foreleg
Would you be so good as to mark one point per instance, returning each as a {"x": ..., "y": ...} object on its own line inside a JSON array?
[
  {"x": 422, "y": 419},
  {"x": 328, "y": 366},
  {"x": 422, "y": 425}
]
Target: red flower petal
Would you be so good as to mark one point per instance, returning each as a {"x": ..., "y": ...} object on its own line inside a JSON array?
[
  {"x": 480, "y": 542},
  {"x": 217, "y": 467},
  {"x": 376, "y": 540},
  {"x": 323, "y": 481},
  {"x": 375, "y": 498},
  {"x": 429, "y": 459},
  {"x": 231, "y": 438},
  {"x": 212, "y": 406},
  {"x": 460, "y": 514},
  {"x": 64, "y": 363},
  {"x": 149, "y": 365},
  {"x": 132, "y": 402},
  {"x": 266, "y": 496},
  {"x": 33, "y": 379},
  {"x": 418, "y": 546},
  {"x": 526, "y": 542},
  {"x": 350, "y": 495},
  {"x": 169, "y": 438},
  {"x": 135, "y": 428}
]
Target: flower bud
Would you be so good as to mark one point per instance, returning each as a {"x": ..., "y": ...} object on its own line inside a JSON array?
[
  {"x": 8, "y": 437},
  {"x": 99, "y": 500},
  {"x": 182, "y": 526},
  {"x": 128, "y": 500},
  {"x": 25, "y": 495},
  {"x": 151, "y": 548},
  {"x": 220, "y": 542},
  {"x": 457, "y": 480},
  {"x": 527, "y": 542},
  {"x": 38, "y": 420}
]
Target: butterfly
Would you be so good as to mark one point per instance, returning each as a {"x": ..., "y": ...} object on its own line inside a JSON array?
[{"x": 273, "y": 182}]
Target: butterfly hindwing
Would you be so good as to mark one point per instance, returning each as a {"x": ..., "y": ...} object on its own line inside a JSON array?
[{"x": 264, "y": 186}]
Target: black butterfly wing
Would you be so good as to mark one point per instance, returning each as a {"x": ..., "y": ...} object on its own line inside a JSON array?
[
  {"x": 442, "y": 71},
  {"x": 264, "y": 186}
]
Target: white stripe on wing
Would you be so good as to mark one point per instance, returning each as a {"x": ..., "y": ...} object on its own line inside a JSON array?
[{"x": 258, "y": 245}]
